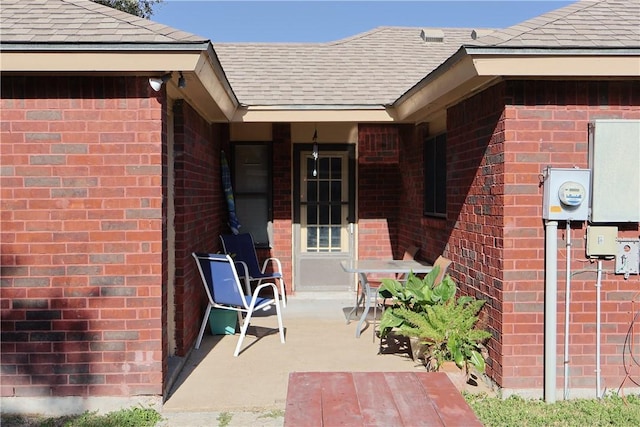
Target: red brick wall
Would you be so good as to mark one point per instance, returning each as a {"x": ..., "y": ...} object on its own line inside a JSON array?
[
  {"x": 378, "y": 190},
  {"x": 201, "y": 214},
  {"x": 475, "y": 199},
  {"x": 81, "y": 237},
  {"x": 499, "y": 142},
  {"x": 282, "y": 214}
]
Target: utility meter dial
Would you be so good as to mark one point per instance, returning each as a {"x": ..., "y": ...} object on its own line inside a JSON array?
[{"x": 571, "y": 193}]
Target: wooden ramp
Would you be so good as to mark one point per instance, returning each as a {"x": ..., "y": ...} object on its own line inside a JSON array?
[{"x": 375, "y": 399}]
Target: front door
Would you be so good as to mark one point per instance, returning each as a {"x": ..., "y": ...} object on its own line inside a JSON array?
[{"x": 324, "y": 212}]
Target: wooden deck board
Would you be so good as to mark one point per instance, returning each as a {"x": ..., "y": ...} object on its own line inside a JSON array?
[
  {"x": 414, "y": 408},
  {"x": 340, "y": 405},
  {"x": 452, "y": 407},
  {"x": 375, "y": 399},
  {"x": 304, "y": 400}
]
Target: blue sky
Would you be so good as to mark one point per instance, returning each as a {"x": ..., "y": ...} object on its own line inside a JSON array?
[{"x": 328, "y": 20}]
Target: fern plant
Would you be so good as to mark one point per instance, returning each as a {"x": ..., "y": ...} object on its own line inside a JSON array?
[{"x": 449, "y": 331}]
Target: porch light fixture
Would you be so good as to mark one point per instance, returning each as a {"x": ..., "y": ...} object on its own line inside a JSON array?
[
  {"x": 314, "y": 152},
  {"x": 182, "y": 83},
  {"x": 157, "y": 82}
]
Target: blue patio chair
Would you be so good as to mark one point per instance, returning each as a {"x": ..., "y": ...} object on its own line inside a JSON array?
[
  {"x": 224, "y": 291},
  {"x": 242, "y": 249}
]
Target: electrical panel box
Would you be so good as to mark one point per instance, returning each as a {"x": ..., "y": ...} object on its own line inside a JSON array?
[
  {"x": 628, "y": 257},
  {"x": 614, "y": 156},
  {"x": 566, "y": 194},
  {"x": 602, "y": 241}
]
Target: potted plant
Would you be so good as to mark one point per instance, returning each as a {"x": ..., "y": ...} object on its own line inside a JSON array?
[{"x": 446, "y": 327}]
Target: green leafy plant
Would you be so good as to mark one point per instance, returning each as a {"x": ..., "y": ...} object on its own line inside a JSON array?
[
  {"x": 224, "y": 418},
  {"x": 416, "y": 294},
  {"x": 449, "y": 333},
  {"x": 447, "y": 327}
]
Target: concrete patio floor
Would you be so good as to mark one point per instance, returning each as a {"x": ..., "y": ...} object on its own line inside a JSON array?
[{"x": 212, "y": 381}]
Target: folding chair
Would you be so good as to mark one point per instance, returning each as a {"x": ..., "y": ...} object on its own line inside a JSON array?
[
  {"x": 242, "y": 249},
  {"x": 444, "y": 264},
  {"x": 224, "y": 291}
]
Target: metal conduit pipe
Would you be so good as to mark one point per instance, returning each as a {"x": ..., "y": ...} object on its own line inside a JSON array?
[{"x": 550, "y": 310}]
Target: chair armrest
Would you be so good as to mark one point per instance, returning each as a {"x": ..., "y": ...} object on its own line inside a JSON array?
[
  {"x": 244, "y": 276},
  {"x": 256, "y": 293},
  {"x": 276, "y": 261}
]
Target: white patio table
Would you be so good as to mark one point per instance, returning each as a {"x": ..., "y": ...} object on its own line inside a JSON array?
[{"x": 364, "y": 267}]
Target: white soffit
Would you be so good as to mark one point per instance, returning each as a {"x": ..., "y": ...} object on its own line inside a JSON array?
[{"x": 311, "y": 114}]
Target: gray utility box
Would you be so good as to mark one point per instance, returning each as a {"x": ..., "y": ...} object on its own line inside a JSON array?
[
  {"x": 614, "y": 159},
  {"x": 566, "y": 194}
]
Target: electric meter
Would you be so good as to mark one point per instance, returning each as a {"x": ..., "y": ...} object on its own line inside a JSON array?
[
  {"x": 566, "y": 194},
  {"x": 571, "y": 193}
]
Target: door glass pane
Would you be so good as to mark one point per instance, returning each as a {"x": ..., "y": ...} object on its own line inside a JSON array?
[
  {"x": 324, "y": 214},
  {"x": 312, "y": 238},
  {"x": 336, "y": 214},
  {"x": 324, "y": 237},
  {"x": 335, "y": 236},
  {"x": 336, "y": 168},
  {"x": 312, "y": 215},
  {"x": 336, "y": 191},
  {"x": 312, "y": 190},
  {"x": 324, "y": 192},
  {"x": 323, "y": 168}
]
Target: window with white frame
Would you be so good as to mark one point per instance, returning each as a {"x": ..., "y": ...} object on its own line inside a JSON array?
[
  {"x": 252, "y": 177},
  {"x": 435, "y": 175}
]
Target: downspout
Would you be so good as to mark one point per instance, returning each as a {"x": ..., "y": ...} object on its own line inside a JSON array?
[{"x": 550, "y": 310}]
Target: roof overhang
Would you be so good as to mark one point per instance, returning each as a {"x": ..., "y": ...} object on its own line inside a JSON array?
[
  {"x": 314, "y": 113},
  {"x": 207, "y": 89},
  {"x": 471, "y": 69}
]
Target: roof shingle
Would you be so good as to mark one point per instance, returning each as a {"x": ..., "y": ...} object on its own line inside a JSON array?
[
  {"x": 584, "y": 24},
  {"x": 80, "y": 21},
  {"x": 372, "y": 68}
]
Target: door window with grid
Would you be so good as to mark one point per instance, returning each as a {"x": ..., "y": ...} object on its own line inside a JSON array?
[{"x": 324, "y": 204}]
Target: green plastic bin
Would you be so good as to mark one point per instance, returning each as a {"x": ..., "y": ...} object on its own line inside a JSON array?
[{"x": 223, "y": 322}]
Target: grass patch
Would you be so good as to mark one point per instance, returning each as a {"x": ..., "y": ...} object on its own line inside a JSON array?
[
  {"x": 224, "y": 418},
  {"x": 276, "y": 413},
  {"x": 133, "y": 417},
  {"x": 612, "y": 410}
]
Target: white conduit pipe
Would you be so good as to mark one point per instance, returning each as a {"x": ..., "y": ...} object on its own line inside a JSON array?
[
  {"x": 598, "y": 287},
  {"x": 567, "y": 301},
  {"x": 550, "y": 310}
]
